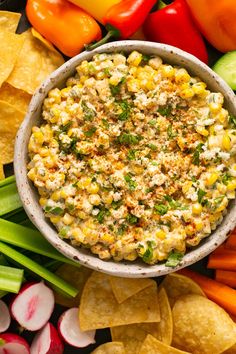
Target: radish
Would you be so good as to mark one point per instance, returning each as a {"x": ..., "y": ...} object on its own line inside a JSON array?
[
  {"x": 5, "y": 318},
  {"x": 33, "y": 306},
  {"x": 68, "y": 326},
  {"x": 47, "y": 341},
  {"x": 13, "y": 344}
]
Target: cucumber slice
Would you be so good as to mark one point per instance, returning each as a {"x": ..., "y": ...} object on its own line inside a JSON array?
[{"x": 226, "y": 68}]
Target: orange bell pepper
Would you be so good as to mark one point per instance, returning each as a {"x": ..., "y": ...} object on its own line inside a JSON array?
[
  {"x": 216, "y": 21},
  {"x": 65, "y": 25}
]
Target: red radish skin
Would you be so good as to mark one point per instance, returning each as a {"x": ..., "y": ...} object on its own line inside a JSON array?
[
  {"x": 47, "y": 341},
  {"x": 33, "y": 306},
  {"x": 5, "y": 318},
  {"x": 69, "y": 329},
  {"x": 13, "y": 344}
]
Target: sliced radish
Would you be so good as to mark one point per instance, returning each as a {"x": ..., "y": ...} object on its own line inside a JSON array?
[
  {"x": 13, "y": 344},
  {"x": 33, "y": 306},
  {"x": 47, "y": 341},
  {"x": 68, "y": 326},
  {"x": 5, "y": 318}
]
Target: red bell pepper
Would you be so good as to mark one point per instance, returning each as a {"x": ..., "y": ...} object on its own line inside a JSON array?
[
  {"x": 173, "y": 25},
  {"x": 123, "y": 19}
]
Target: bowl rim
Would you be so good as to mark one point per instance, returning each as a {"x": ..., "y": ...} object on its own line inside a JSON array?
[{"x": 136, "y": 269}]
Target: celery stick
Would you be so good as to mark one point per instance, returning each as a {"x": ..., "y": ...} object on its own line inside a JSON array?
[
  {"x": 3, "y": 260},
  {"x": 9, "y": 199},
  {"x": 3, "y": 293},
  {"x": 30, "y": 240},
  {"x": 7, "y": 180},
  {"x": 18, "y": 217},
  {"x": 38, "y": 269},
  {"x": 10, "y": 279}
]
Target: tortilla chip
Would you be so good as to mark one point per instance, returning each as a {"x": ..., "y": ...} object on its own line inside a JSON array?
[
  {"x": 133, "y": 335},
  {"x": 123, "y": 288},
  {"x": 10, "y": 120},
  {"x": 34, "y": 64},
  {"x": 9, "y": 21},
  {"x": 177, "y": 285},
  {"x": 76, "y": 276},
  {"x": 231, "y": 350},
  {"x": 165, "y": 326},
  {"x": 47, "y": 44},
  {"x": 10, "y": 48},
  {"x": 15, "y": 97},
  {"x": 153, "y": 346},
  {"x": 110, "y": 348},
  {"x": 201, "y": 326},
  {"x": 99, "y": 308},
  {"x": 2, "y": 176}
]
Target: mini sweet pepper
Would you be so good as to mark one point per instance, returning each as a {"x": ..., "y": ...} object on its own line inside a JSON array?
[
  {"x": 216, "y": 20},
  {"x": 173, "y": 24},
  {"x": 65, "y": 25},
  {"x": 124, "y": 19}
]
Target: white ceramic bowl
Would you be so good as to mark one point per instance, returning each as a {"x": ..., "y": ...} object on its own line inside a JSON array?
[{"x": 29, "y": 194}]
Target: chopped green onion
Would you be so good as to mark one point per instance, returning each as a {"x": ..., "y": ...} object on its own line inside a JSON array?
[
  {"x": 9, "y": 199},
  {"x": 174, "y": 259},
  {"x": 10, "y": 279},
  {"x": 38, "y": 269},
  {"x": 31, "y": 240}
]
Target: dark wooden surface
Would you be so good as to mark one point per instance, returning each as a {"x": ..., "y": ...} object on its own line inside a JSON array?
[{"x": 102, "y": 336}]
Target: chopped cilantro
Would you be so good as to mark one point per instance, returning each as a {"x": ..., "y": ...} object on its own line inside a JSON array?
[
  {"x": 173, "y": 203},
  {"x": 115, "y": 89},
  {"x": 131, "y": 154},
  {"x": 132, "y": 184},
  {"x": 226, "y": 178},
  {"x": 132, "y": 219},
  {"x": 152, "y": 147},
  {"x": 165, "y": 110},
  {"x": 65, "y": 128},
  {"x": 232, "y": 120},
  {"x": 89, "y": 113},
  {"x": 54, "y": 210},
  {"x": 101, "y": 215},
  {"x": 145, "y": 58},
  {"x": 152, "y": 122},
  {"x": 170, "y": 132},
  {"x": 121, "y": 229},
  {"x": 90, "y": 132},
  {"x": 125, "y": 106},
  {"x": 105, "y": 123},
  {"x": 129, "y": 139},
  {"x": 148, "y": 254},
  {"x": 200, "y": 194},
  {"x": 64, "y": 230},
  {"x": 174, "y": 258},
  {"x": 116, "y": 205},
  {"x": 161, "y": 209},
  {"x": 107, "y": 72},
  {"x": 196, "y": 154}
]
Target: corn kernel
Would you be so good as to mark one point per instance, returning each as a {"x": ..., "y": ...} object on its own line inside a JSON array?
[
  {"x": 197, "y": 208},
  {"x": 81, "y": 214},
  {"x": 212, "y": 179},
  {"x": 189, "y": 230},
  {"x": 214, "y": 217},
  {"x": 187, "y": 93},
  {"x": 64, "y": 195},
  {"x": 84, "y": 182},
  {"x": 222, "y": 206},
  {"x": 199, "y": 225},
  {"x": 77, "y": 234},
  {"x": 150, "y": 85},
  {"x": 133, "y": 85},
  {"x": 38, "y": 136},
  {"x": 93, "y": 188},
  {"x": 186, "y": 186},
  {"x": 43, "y": 201},
  {"x": 226, "y": 142},
  {"x": 231, "y": 186},
  {"x": 199, "y": 88},
  {"x": 201, "y": 130},
  {"x": 68, "y": 219},
  {"x": 31, "y": 174},
  {"x": 107, "y": 238},
  {"x": 94, "y": 199},
  {"x": 214, "y": 107},
  {"x": 182, "y": 75},
  {"x": 161, "y": 234},
  {"x": 114, "y": 80},
  {"x": 168, "y": 71},
  {"x": 131, "y": 256},
  {"x": 134, "y": 58},
  {"x": 155, "y": 63},
  {"x": 222, "y": 116},
  {"x": 107, "y": 199},
  {"x": 44, "y": 152},
  {"x": 55, "y": 219},
  {"x": 56, "y": 196}
]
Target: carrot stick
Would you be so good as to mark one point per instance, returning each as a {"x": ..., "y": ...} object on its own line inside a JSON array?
[
  {"x": 226, "y": 277},
  {"x": 226, "y": 261},
  {"x": 222, "y": 294},
  {"x": 231, "y": 241}
]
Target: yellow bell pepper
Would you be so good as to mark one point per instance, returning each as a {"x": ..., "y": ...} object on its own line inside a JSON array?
[
  {"x": 216, "y": 20},
  {"x": 96, "y": 8}
]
